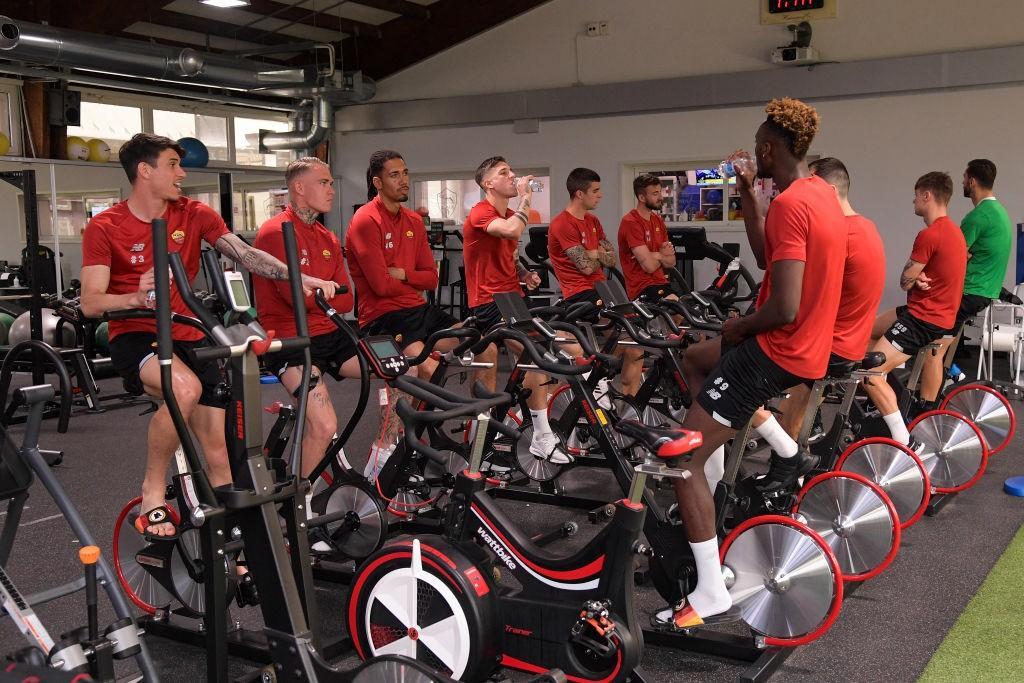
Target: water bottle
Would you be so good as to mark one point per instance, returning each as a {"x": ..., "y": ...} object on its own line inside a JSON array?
[
  {"x": 151, "y": 299},
  {"x": 536, "y": 185},
  {"x": 728, "y": 168}
]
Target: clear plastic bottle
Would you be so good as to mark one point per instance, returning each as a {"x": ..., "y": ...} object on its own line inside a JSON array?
[{"x": 536, "y": 185}]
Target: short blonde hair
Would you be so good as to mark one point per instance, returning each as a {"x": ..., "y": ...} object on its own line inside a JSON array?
[{"x": 300, "y": 166}]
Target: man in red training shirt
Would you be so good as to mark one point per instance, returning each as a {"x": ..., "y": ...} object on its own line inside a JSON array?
[
  {"x": 577, "y": 246},
  {"x": 117, "y": 273},
  {"x": 933, "y": 278},
  {"x": 491, "y": 258},
  {"x": 310, "y": 193},
  {"x": 863, "y": 283},
  {"x": 644, "y": 251},
  {"x": 393, "y": 266}
]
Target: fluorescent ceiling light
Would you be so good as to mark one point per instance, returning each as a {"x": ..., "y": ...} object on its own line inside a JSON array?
[{"x": 226, "y": 3}]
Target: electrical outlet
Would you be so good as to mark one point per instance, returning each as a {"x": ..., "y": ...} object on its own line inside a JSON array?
[
  {"x": 593, "y": 28},
  {"x": 602, "y": 28}
]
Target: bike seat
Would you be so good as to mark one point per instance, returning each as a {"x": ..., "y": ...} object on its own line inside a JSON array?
[
  {"x": 840, "y": 367},
  {"x": 872, "y": 359},
  {"x": 663, "y": 442}
]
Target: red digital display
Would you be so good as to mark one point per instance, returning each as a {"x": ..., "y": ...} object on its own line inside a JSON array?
[{"x": 783, "y": 6}]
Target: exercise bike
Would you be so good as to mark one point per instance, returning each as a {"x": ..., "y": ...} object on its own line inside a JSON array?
[{"x": 438, "y": 599}]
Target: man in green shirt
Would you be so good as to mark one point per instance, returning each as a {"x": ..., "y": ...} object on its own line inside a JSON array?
[{"x": 989, "y": 235}]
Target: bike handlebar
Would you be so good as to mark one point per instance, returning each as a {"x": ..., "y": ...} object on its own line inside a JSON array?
[{"x": 530, "y": 349}]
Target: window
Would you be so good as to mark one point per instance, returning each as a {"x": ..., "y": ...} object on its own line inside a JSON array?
[
  {"x": 695, "y": 193},
  {"x": 451, "y": 199},
  {"x": 212, "y": 130},
  {"x": 113, "y": 123},
  {"x": 247, "y": 142}
]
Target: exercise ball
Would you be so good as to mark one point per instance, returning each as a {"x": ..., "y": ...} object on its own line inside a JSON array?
[
  {"x": 5, "y": 145},
  {"x": 6, "y": 320},
  {"x": 99, "y": 150},
  {"x": 102, "y": 337},
  {"x": 196, "y": 154},
  {"x": 21, "y": 330},
  {"x": 77, "y": 148}
]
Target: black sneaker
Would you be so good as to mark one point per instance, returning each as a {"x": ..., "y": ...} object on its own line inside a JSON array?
[{"x": 783, "y": 472}]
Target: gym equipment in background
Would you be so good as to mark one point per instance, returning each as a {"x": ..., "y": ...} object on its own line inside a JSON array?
[
  {"x": 20, "y": 330},
  {"x": 196, "y": 154}
]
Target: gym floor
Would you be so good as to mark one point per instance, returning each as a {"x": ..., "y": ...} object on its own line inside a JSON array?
[{"x": 887, "y": 630}]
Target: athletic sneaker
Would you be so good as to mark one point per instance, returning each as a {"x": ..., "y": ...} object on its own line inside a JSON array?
[
  {"x": 547, "y": 447},
  {"x": 378, "y": 458},
  {"x": 601, "y": 393},
  {"x": 783, "y": 472}
]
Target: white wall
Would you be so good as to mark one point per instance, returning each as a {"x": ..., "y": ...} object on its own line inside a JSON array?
[
  {"x": 886, "y": 142},
  {"x": 652, "y": 39}
]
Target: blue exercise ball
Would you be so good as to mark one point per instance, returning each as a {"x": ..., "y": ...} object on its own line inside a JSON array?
[
  {"x": 713, "y": 197},
  {"x": 196, "y": 154}
]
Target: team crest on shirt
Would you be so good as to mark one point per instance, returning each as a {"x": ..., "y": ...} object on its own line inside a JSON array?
[
  {"x": 408, "y": 233},
  {"x": 326, "y": 253},
  {"x": 138, "y": 246},
  {"x": 398, "y": 338},
  {"x": 178, "y": 236}
]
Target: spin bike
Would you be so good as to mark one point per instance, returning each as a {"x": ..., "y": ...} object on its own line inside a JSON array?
[{"x": 438, "y": 598}]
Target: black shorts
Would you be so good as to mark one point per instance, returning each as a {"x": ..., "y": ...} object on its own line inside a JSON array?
[
  {"x": 655, "y": 293},
  {"x": 909, "y": 335},
  {"x": 588, "y": 295},
  {"x": 131, "y": 350},
  {"x": 409, "y": 325},
  {"x": 970, "y": 306},
  {"x": 744, "y": 380},
  {"x": 328, "y": 351},
  {"x": 487, "y": 316}
]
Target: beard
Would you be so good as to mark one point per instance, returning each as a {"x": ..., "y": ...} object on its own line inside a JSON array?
[
  {"x": 652, "y": 206},
  {"x": 967, "y": 192}
]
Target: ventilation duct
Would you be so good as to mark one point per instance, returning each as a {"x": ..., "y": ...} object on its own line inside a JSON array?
[
  {"x": 63, "y": 48},
  {"x": 321, "y": 124}
]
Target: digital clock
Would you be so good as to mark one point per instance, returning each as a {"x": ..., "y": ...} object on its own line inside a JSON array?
[
  {"x": 786, "y": 6},
  {"x": 795, "y": 11}
]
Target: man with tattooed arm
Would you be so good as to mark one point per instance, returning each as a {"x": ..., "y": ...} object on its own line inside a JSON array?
[{"x": 117, "y": 273}]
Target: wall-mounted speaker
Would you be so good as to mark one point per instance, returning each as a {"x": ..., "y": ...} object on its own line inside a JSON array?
[{"x": 65, "y": 107}]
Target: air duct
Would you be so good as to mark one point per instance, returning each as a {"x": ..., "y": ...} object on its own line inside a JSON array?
[
  {"x": 323, "y": 121},
  {"x": 63, "y": 48}
]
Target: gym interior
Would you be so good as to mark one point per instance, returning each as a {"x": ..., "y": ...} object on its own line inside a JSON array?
[{"x": 460, "y": 553}]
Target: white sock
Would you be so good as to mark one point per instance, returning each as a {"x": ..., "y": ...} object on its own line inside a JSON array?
[
  {"x": 781, "y": 442},
  {"x": 714, "y": 468},
  {"x": 540, "y": 422},
  {"x": 711, "y": 596},
  {"x": 897, "y": 427}
]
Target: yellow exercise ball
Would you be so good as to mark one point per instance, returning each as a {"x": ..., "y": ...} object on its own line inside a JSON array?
[
  {"x": 99, "y": 150},
  {"x": 5, "y": 145},
  {"x": 77, "y": 148}
]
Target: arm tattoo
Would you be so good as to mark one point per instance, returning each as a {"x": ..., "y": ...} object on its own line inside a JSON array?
[
  {"x": 524, "y": 206},
  {"x": 905, "y": 281},
  {"x": 579, "y": 258},
  {"x": 606, "y": 254},
  {"x": 254, "y": 260}
]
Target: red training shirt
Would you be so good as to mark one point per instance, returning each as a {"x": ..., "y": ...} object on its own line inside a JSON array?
[
  {"x": 863, "y": 282},
  {"x": 567, "y": 231},
  {"x": 633, "y": 232},
  {"x": 320, "y": 256},
  {"x": 117, "y": 239},
  {"x": 943, "y": 251},
  {"x": 377, "y": 240},
  {"x": 805, "y": 223},
  {"x": 490, "y": 261}
]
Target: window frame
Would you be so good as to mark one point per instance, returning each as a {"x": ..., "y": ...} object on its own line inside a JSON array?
[
  {"x": 148, "y": 103},
  {"x": 12, "y": 88},
  {"x": 414, "y": 178}
]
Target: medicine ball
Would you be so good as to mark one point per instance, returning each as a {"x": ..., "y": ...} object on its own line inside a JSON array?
[
  {"x": 78, "y": 149},
  {"x": 5, "y": 144},
  {"x": 99, "y": 150},
  {"x": 21, "y": 330}
]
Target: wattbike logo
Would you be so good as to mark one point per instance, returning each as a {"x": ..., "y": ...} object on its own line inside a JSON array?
[{"x": 502, "y": 554}]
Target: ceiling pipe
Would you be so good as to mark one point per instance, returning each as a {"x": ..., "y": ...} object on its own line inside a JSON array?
[
  {"x": 57, "y": 47},
  {"x": 323, "y": 121}
]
